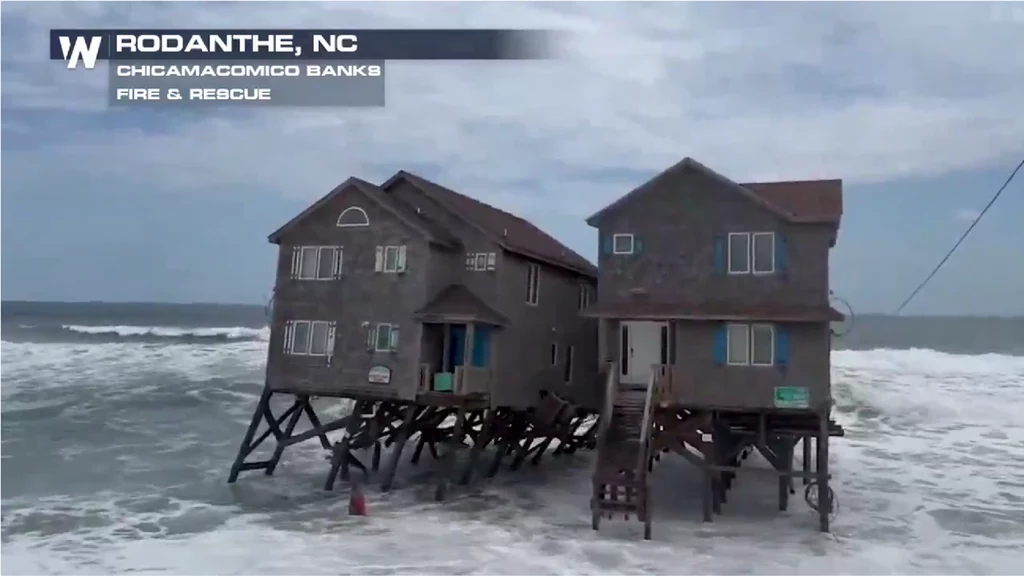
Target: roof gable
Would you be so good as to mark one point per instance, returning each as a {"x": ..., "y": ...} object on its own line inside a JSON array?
[
  {"x": 511, "y": 232},
  {"x": 377, "y": 196},
  {"x": 790, "y": 201}
]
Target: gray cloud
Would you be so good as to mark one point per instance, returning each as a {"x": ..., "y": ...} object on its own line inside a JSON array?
[{"x": 867, "y": 92}]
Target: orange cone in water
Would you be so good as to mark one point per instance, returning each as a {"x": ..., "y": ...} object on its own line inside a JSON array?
[{"x": 356, "y": 500}]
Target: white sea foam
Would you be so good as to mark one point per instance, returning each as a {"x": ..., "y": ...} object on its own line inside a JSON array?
[
  {"x": 60, "y": 364},
  {"x": 927, "y": 478},
  {"x": 229, "y": 332}
]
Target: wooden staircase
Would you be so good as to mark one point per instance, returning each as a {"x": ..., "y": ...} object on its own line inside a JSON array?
[{"x": 621, "y": 481}]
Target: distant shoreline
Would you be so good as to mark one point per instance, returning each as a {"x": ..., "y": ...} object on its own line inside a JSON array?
[{"x": 261, "y": 305}]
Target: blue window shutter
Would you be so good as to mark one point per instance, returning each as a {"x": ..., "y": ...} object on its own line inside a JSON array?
[
  {"x": 606, "y": 245},
  {"x": 780, "y": 252},
  {"x": 638, "y": 245},
  {"x": 719, "y": 257},
  {"x": 781, "y": 346},
  {"x": 481, "y": 346},
  {"x": 720, "y": 346}
]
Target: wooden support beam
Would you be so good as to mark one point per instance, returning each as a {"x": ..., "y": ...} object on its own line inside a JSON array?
[
  {"x": 824, "y": 494},
  {"x": 510, "y": 432},
  {"x": 279, "y": 450},
  {"x": 318, "y": 427},
  {"x": 246, "y": 446},
  {"x": 806, "y": 464},
  {"x": 401, "y": 438},
  {"x": 785, "y": 460},
  {"x": 340, "y": 455},
  {"x": 479, "y": 443},
  {"x": 375, "y": 432},
  {"x": 447, "y": 465},
  {"x": 708, "y": 493},
  {"x": 319, "y": 430}
]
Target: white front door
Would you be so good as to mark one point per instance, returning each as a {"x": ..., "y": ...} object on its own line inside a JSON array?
[{"x": 640, "y": 350}]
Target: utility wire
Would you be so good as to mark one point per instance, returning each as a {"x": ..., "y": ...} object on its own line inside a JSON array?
[{"x": 962, "y": 238}]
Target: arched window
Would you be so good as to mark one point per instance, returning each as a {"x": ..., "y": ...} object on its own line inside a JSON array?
[{"x": 353, "y": 216}]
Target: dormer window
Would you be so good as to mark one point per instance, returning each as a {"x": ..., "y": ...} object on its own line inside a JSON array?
[
  {"x": 623, "y": 244},
  {"x": 353, "y": 217}
]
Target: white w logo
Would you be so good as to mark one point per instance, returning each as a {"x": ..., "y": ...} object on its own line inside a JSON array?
[{"x": 86, "y": 50}]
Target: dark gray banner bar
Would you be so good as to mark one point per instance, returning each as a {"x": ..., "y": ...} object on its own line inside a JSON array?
[
  {"x": 263, "y": 44},
  {"x": 246, "y": 83}
]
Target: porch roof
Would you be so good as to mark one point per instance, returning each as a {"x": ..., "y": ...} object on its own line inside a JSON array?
[
  {"x": 457, "y": 303},
  {"x": 714, "y": 311}
]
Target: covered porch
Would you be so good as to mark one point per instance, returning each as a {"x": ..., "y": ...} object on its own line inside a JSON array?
[{"x": 458, "y": 352}]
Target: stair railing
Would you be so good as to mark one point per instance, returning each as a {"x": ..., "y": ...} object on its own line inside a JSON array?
[
  {"x": 645, "y": 426},
  {"x": 611, "y": 389}
]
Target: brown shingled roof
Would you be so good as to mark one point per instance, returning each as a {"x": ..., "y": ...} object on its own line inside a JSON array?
[
  {"x": 510, "y": 231},
  {"x": 820, "y": 200},
  {"x": 458, "y": 301},
  {"x": 808, "y": 201}
]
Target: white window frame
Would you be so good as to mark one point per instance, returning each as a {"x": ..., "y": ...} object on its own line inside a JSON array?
[
  {"x": 615, "y": 244},
  {"x": 749, "y": 328},
  {"x": 381, "y": 259},
  {"x": 584, "y": 297},
  {"x": 299, "y": 255},
  {"x": 289, "y": 337},
  {"x": 394, "y": 335},
  {"x": 728, "y": 253},
  {"x": 753, "y": 253},
  {"x": 533, "y": 284},
  {"x": 366, "y": 219},
  {"x": 473, "y": 261}
]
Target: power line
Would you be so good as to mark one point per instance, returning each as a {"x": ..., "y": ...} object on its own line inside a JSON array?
[{"x": 962, "y": 238}]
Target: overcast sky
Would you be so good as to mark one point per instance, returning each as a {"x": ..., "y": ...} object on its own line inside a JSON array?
[{"x": 918, "y": 107}]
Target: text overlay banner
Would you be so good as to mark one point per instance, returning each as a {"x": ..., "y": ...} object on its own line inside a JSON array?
[
  {"x": 246, "y": 83},
  {"x": 225, "y": 44}
]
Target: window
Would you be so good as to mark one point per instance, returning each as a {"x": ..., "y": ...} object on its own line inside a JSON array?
[
  {"x": 309, "y": 338},
  {"x": 316, "y": 262},
  {"x": 383, "y": 338},
  {"x": 481, "y": 261},
  {"x": 751, "y": 344},
  {"x": 554, "y": 354},
  {"x": 353, "y": 217},
  {"x": 584, "y": 299},
  {"x": 751, "y": 252},
  {"x": 762, "y": 343},
  {"x": 390, "y": 259},
  {"x": 567, "y": 375},
  {"x": 739, "y": 253},
  {"x": 622, "y": 244},
  {"x": 532, "y": 284},
  {"x": 764, "y": 252}
]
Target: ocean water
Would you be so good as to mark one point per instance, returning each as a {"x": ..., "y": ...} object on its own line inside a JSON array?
[{"x": 120, "y": 422}]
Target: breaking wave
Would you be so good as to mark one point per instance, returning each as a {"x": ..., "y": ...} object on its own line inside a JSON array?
[{"x": 224, "y": 333}]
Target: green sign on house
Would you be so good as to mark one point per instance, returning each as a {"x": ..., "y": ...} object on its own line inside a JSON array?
[{"x": 791, "y": 397}]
